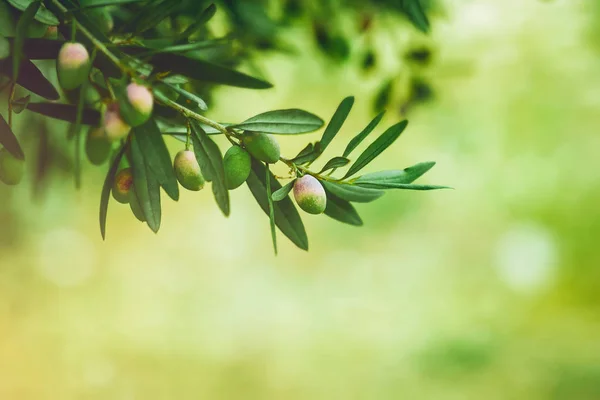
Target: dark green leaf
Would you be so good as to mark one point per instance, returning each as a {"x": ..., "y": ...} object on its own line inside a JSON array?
[
  {"x": 416, "y": 14},
  {"x": 205, "y": 71},
  {"x": 309, "y": 156},
  {"x": 282, "y": 193},
  {"x": 356, "y": 140},
  {"x": 382, "y": 99},
  {"x": 106, "y": 188},
  {"x": 9, "y": 140},
  {"x": 336, "y": 122},
  {"x": 377, "y": 147},
  {"x": 184, "y": 48},
  {"x": 157, "y": 157},
  {"x": 407, "y": 175},
  {"x": 42, "y": 15},
  {"x": 41, "y": 49},
  {"x": 146, "y": 186},
  {"x": 407, "y": 186},
  {"x": 103, "y": 3},
  {"x": 335, "y": 162},
  {"x": 210, "y": 160},
  {"x": 287, "y": 218},
  {"x": 199, "y": 22},
  {"x": 342, "y": 210},
  {"x": 306, "y": 150},
  {"x": 271, "y": 207},
  {"x": 66, "y": 112},
  {"x": 31, "y": 78},
  {"x": 352, "y": 192},
  {"x": 20, "y": 34},
  {"x": 18, "y": 105},
  {"x": 4, "y": 48},
  {"x": 284, "y": 122},
  {"x": 196, "y": 100}
]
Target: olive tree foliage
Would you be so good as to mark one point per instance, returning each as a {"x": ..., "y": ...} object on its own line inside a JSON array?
[{"x": 134, "y": 74}]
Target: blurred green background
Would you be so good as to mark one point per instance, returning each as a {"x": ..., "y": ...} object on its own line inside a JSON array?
[{"x": 489, "y": 291}]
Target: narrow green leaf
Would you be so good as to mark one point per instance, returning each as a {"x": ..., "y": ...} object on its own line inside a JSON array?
[
  {"x": 153, "y": 14},
  {"x": 309, "y": 156},
  {"x": 287, "y": 218},
  {"x": 407, "y": 175},
  {"x": 352, "y": 192},
  {"x": 335, "y": 162},
  {"x": 9, "y": 140},
  {"x": 356, "y": 140},
  {"x": 40, "y": 49},
  {"x": 66, "y": 112},
  {"x": 103, "y": 3},
  {"x": 30, "y": 77},
  {"x": 377, "y": 147},
  {"x": 205, "y": 71},
  {"x": 336, "y": 122},
  {"x": 184, "y": 48},
  {"x": 271, "y": 207},
  {"x": 407, "y": 186},
  {"x": 106, "y": 188},
  {"x": 157, "y": 157},
  {"x": 282, "y": 193},
  {"x": 416, "y": 14},
  {"x": 20, "y": 35},
  {"x": 201, "y": 104},
  {"x": 145, "y": 184},
  {"x": 18, "y": 105},
  {"x": 4, "y": 48},
  {"x": 283, "y": 122},
  {"x": 42, "y": 15},
  {"x": 199, "y": 23},
  {"x": 306, "y": 150},
  {"x": 342, "y": 210},
  {"x": 210, "y": 160}
]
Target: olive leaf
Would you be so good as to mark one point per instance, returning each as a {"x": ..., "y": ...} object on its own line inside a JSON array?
[
  {"x": 283, "y": 122},
  {"x": 66, "y": 112},
  {"x": 356, "y": 140},
  {"x": 106, "y": 188},
  {"x": 335, "y": 162},
  {"x": 157, "y": 157},
  {"x": 42, "y": 14},
  {"x": 199, "y": 22},
  {"x": 286, "y": 216},
  {"x": 30, "y": 77},
  {"x": 377, "y": 147},
  {"x": 336, "y": 122},
  {"x": 352, "y": 192},
  {"x": 282, "y": 193},
  {"x": 407, "y": 175},
  {"x": 210, "y": 160},
  {"x": 342, "y": 210},
  {"x": 145, "y": 183},
  {"x": 271, "y": 207},
  {"x": 9, "y": 140},
  {"x": 205, "y": 71}
]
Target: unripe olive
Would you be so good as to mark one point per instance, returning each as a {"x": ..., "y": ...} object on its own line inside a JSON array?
[
  {"x": 11, "y": 168},
  {"x": 138, "y": 106},
  {"x": 188, "y": 171},
  {"x": 237, "y": 166},
  {"x": 114, "y": 126},
  {"x": 73, "y": 65},
  {"x": 123, "y": 185},
  {"x": 97, "y": 146},
  {"x": 135, "y": 206},
  {"x": 262, "y": 146},
  {"x": 310, "y": 195}
]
